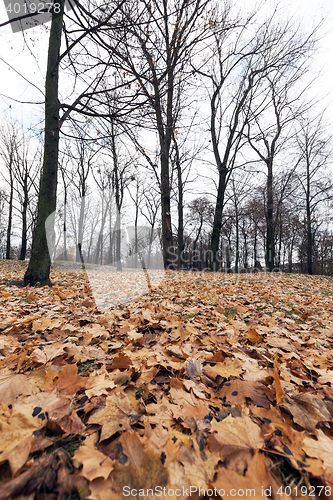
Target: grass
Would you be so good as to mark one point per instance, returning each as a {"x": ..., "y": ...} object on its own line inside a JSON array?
[
  {"x": 290, "y": 477},
  {"x": 229, "y": 311},
  {"x": 85, "y": 367}
]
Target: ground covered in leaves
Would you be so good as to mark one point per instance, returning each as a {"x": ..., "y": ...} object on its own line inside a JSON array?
[{"x": 210, "y": 385}]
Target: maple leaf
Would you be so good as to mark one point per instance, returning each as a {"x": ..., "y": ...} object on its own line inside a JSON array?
[
  {"x": 256, "y": 479},
  {"x": 66, "y": 380},
  {"x": 321, "y": 449},
  {"x": 132, "y": 448},
  {"x": 16, "y": 434},
  {"x": 235, "y": 434},
  {"x": 150, "y": 474},
  {"x": 236, "y": 391},
  {"x": 95, "y": 463},
  {"x": 13, "y": 385},
  {"x": 189, "y": 415},
  {"x": 226, "y": 369},
  {"x": 118, "y": 414},
  {"x": 46, "y": 353},
  {"x": 199, "y": 472},
  {"x": 309, "y": 409}
]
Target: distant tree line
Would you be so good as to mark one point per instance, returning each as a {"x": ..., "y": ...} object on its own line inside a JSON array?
[{"x": 191, "y": 126}]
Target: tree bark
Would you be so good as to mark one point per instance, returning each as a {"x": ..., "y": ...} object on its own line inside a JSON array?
[
  {"x": 10, "y": 215},
  {"x": 269, "y": 218},
  {"x": 40, "y": 262},
  {"x": 309, "y": 239},
  {"x": 180, "y": 234},
  {"x": 24, "y": 218}
]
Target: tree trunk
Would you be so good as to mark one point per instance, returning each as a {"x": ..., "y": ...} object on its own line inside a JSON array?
[
  {"x": 24, "y": 220},
  {"x": 65, "y": 257},
  {"x": 237, "y": 240},
  {"x": 40, "y": 262},
  {"x": 10, "y": 217},
  {"x": 217, "y": 224},
  {"x": 79, "y": 255},
  {"x": 309, "y": 238},
  {"x": 118, "y": 242},
  {"x": 167, "y": 241},
  {"x": 269, "y": 218},
  {"x": 180, "y": 234}
]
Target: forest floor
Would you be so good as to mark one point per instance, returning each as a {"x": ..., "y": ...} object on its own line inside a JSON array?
[{"x": 209, "y": 385}]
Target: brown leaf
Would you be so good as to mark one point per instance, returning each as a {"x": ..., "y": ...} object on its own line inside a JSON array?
[
  {"x": 236, "y": 391},
  {"x": 278, "y": 389},
  {"x": 67, "y": 381},
  {"x": 13, "y": 385},
  {"x": 229, "y": 368},
  {"x": 256, "y": 480},
  {"x": 253, "y": 336},
  {"x": 150, "y": 474},
  {"x": 235, "y": 434},
  {"x": 121, "y": 362},
  {"x": 320, "y": 448},
  {"x": 117, "y": 415},
  {"x": 307, "y": 410},
  {"x": 132, "y": 448},
  {"x": 199, "y": 472},
  {"x": 16, "y": 434},
  {"x": 95, "y": 463},
  {"x": 189, "y": 415}
]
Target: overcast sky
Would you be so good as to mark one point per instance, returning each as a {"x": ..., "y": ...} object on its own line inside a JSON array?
[{"x": 23, "y": 69}]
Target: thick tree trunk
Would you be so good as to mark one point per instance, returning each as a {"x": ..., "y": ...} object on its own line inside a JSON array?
[
  {"x": 167, "y": 241},
  {"x": 118, "y": 242},
  {"x": 217, "y": 224},
  {"x": 40, "y": 262},
  {"x": 180, "y": 234}
]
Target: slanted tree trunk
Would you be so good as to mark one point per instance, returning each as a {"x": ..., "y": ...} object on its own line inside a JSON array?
[{"x": 40, "y": 262}]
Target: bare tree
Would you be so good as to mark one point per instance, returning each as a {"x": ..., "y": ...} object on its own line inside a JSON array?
[
  {"x": 9, "y": 144},
  {"x": 153, "y": 59},
  {"x": 39, "y": 265},
  {"x": 316, "y": 186},
  {"x": 27, "y": 170},
  {"x": 275, "y": 108},
  {"x": 201, "y": 216}
]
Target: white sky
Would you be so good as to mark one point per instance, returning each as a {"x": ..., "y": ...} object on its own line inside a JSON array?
[{"x": 17, "y": 59}]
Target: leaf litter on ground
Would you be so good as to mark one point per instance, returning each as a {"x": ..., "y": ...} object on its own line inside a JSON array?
[{"x": 209, "y": 381}]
